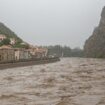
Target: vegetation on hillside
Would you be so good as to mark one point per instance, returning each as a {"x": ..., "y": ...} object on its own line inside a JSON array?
[
  {"x": 6, "y": 31},
  {"x": 10, "y": 34},
  {"x": 64, "y": 51},
  {"x": 5, "y": 42}
]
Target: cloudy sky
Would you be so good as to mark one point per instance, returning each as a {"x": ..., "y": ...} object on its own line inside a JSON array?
[{"x": 50, "y": 22}]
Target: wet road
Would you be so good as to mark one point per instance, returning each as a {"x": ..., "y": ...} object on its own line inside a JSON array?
[{"x": 72, "y": 81}]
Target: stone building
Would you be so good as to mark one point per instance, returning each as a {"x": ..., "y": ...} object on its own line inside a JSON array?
[
  {"x": 6, "y": 54},
  {"x": 41, "y": 52},
  {"x": 33, "y": 50},
  {"x": 38, "y": 52},
  {"x": 22, "y": 54}
]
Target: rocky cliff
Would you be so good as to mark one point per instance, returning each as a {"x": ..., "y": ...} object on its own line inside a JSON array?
[{"x": 95, "y": 45}]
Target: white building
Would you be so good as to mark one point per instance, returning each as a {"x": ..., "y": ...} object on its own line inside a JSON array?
[
  {"x": 2, "y": 37},
  {"x": 12, "y": 41}
]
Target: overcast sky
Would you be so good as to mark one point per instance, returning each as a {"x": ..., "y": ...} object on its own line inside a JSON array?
[{"x": 50, "y": 22}]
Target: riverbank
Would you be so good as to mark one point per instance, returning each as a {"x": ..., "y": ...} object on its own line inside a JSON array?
[{"x": 28, "y": 63}]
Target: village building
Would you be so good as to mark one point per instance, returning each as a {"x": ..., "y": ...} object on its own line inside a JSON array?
[
  {"x": 2, "y": 37},
  {"x": 41, "y": 52},
  {"x": 33, "y": 50},
  {"x": 22, "y": 54},
  {"x": 12, "y": 41},
  {"x": 7, "y": 54},
  {"x": 38, "y": 52}
]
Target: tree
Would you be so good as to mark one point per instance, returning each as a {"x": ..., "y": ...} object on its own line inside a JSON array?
[
  {"x": 64, "y": 51},
  {"x": 77, "y": 52},
  {"x": 19, "y": 45},
  {"x": 5, "y": 42}
]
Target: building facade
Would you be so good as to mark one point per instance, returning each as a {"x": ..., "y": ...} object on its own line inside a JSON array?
[
  {"x": 38, "y": 52},
  {"x": 22, "y": 54},
  {"x": 7, "y": 54}
]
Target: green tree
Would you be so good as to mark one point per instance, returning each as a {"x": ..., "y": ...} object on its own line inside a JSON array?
[
  {"x": 18, "y": 45},
  {"x": 64, "y": 51},
  {"x": 5, "y": 42}
]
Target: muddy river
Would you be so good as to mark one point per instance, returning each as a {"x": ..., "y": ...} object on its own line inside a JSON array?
[{"x": 72, "y": 81}]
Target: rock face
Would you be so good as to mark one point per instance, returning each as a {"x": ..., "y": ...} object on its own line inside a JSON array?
[{"x": 95, "y": 45}]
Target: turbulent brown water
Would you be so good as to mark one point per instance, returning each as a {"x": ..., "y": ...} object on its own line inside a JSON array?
[{"x": 72, "y": 81}]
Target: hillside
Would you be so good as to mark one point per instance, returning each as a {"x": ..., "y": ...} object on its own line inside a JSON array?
[
  {"x": 9, "y": 33},
  {"x": 4, "y": 30},
  {"x": 95, "y": 44}
]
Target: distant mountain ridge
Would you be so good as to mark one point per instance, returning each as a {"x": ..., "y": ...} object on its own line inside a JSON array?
[{"x": 95, "y": 44}]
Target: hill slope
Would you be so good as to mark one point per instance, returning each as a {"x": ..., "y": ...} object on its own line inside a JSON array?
[
  {"x": 8, "y": 33},
  {"x": 95, "y": 45}
]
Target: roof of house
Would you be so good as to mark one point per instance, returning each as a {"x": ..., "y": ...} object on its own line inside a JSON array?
[{"x": 6, "y": 47}]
